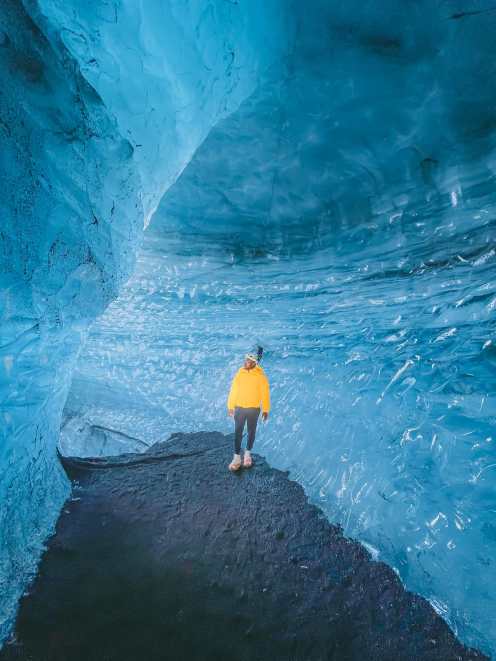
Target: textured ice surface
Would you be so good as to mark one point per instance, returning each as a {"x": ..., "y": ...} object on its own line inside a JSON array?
[
  {"x": 345, "y": 218},
  {"x": 381, "y": 365},
  {"x": 102, "y": 104}
]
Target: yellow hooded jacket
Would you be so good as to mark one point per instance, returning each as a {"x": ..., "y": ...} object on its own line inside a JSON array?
[{"x": 249, "y": 388}]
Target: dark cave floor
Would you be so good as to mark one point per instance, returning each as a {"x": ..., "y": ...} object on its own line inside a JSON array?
[{"x": 168, "y": 556}]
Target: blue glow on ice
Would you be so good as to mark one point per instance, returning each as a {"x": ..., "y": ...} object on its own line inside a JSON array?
[
  {"x": 343, "y": 216},
  {"x": 103, "y": 104}
]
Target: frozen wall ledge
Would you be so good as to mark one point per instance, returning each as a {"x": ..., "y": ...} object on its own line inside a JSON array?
[{"x": 165, "y": 555}]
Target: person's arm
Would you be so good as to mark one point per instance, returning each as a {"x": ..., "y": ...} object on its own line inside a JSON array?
[
  {"x": 265, "y": 397},
  {"x": 233, "y": 393}
]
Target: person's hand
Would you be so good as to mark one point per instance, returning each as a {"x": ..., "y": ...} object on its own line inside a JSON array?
[
  {"x": 265, "y": 415},
  {"x": 230, "y": 413}
]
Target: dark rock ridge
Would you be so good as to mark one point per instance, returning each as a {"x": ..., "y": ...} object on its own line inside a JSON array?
[{"x": 167, "y": 556}]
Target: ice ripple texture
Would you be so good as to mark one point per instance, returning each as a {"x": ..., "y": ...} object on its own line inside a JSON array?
[
  {"x": 344, "y": 218},
  {"x": 101, "y": 107},
  {"x": 380, "y": 362}
]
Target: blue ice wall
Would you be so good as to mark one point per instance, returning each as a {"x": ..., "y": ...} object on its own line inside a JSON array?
[
  {"x": 102, "y": 105},
  {"x": 344, "y": 217}
]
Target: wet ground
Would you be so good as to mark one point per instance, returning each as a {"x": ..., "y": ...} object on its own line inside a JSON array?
[{"x": 168, "y": 556}]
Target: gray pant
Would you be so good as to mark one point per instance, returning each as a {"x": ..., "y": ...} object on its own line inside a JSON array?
[{"x": 250, "y": 416}]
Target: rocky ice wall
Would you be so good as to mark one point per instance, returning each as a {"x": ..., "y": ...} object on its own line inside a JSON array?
[{"x": 102, "y": 104}]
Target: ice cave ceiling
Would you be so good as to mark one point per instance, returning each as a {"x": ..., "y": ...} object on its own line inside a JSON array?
[{"x": 318, "y": 177}]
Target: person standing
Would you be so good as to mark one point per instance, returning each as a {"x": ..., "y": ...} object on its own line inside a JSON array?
[{"x": 249, "y": 393}]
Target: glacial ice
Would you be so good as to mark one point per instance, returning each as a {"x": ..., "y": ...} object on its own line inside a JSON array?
[
  {"x": 102, "y": 105},
  {"x": 343, "y": 217}
]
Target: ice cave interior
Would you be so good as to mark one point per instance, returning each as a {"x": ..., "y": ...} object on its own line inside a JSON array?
[{"x": 185, "y": 180}]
